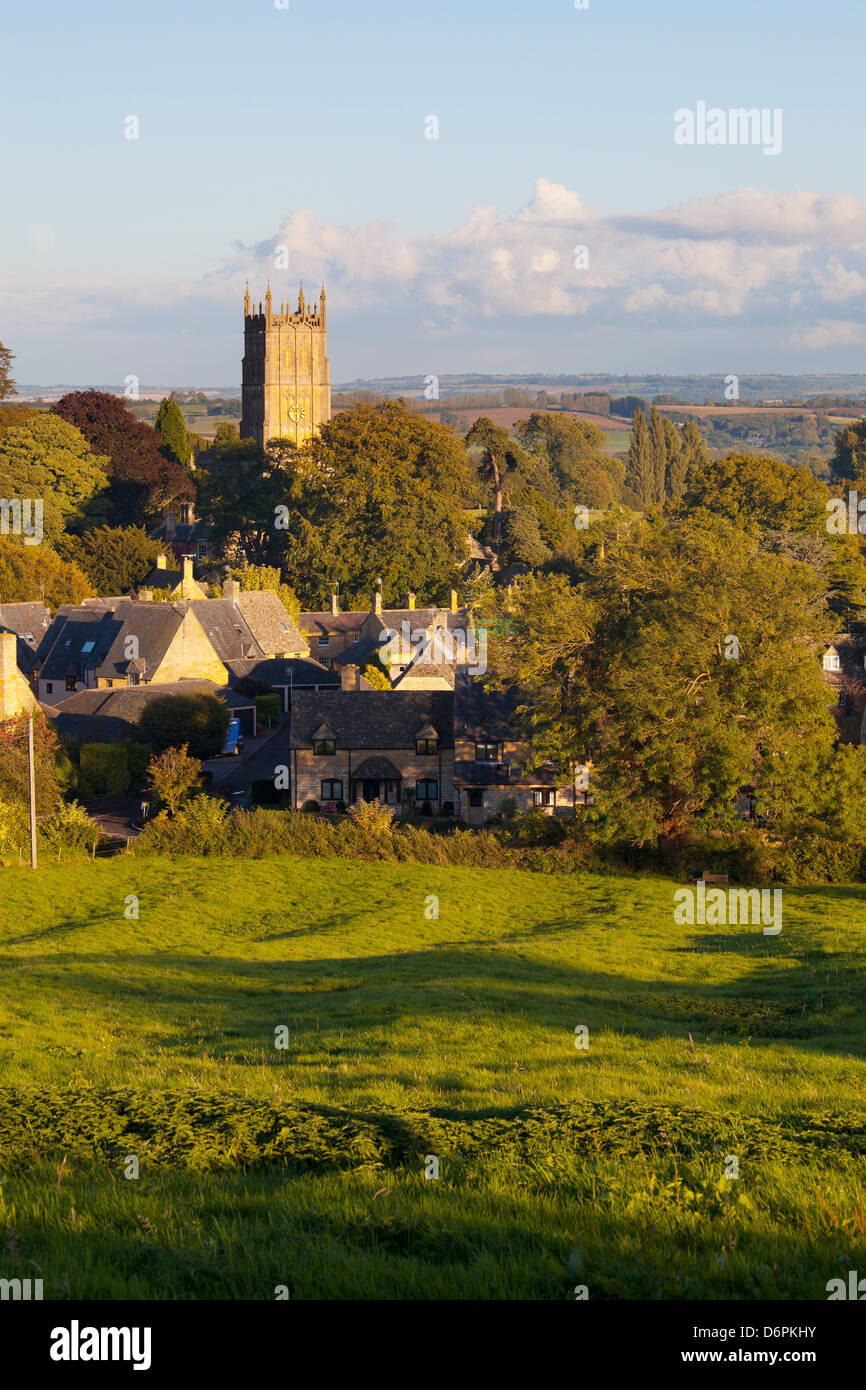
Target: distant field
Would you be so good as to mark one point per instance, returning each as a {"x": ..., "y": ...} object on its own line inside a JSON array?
[{"x": 410, "y": 1038}]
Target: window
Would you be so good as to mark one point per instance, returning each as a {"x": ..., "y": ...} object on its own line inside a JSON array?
[
  {"x": 392, "y": 792},
  {"x": 87, "y": 647},
  {"x": 201, "y": 549},
  {"x": 49, "y": 687},
  {"x": 426, "y": 747},
  {"x": 357, "y": 637},
  {"x": 325, "y": 639},
  {"x": 476, "y": 798},
  {"x": 486, "y": 752},
  {"x": 332, "y": 790},
  {"x": 831, "y": 661},
  {"x": 844, "y": 703},
  {"x": 71, "y": 682},
  {"x": 544, "y": 796},
  {"x": 427, "y": 789},
  {"x": 324, "y": 747}
]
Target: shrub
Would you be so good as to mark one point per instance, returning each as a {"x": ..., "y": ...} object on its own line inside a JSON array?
[
  {"x": 104, "y": 770},
  {"x": 310, "y": 806},
  {"x": 14, "y": 826},
  {"x": 264, "y": 792},
  {"x": 199, "y": 721},
  {"x": 138, "y": 756},
  {"x": 172, "y": 776},
  {"x": 371, "y": 818},
  {"x": 70, "y": 828},
  {"x": 268, "y": 707},
  {"x": 426, "y": 808}
]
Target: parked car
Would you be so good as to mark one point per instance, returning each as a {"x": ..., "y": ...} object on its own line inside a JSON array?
[{"x": 234, "y": 739}]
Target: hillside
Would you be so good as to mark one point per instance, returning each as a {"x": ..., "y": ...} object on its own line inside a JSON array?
[{"x": 411, "y": 1036}]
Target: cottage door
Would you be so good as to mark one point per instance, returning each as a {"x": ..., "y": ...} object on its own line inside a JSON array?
[{"x": 371, "y": 789}]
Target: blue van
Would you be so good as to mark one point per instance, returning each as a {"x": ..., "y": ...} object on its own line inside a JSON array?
[{"x": 234, "y": 738}]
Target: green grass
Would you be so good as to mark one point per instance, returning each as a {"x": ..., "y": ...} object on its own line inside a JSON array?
[{"x": 409, "y": 1037}]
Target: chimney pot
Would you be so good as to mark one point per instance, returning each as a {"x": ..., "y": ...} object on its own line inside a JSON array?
[{"x": 335, "y": 605}]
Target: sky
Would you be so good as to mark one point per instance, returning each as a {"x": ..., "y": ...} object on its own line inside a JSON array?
[{"x": 439, "y": 167}]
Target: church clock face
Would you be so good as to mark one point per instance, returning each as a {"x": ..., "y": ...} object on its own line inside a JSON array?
[{"x": 297, "y": 412}]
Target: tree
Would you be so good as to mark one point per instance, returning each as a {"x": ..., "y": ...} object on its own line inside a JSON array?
[
  {"x": 758, "y": 493},
  {"x": 633, "y": 670},
  {"x": 199, "y": 721},
  {"x": 116, "y": 559},
  {"x": 571, "y": 449},
  {"x": 658, "y": 453},
  {"x": 173, "y": 775},
  {"x": 49, "y": 459},
  {"x": 640, "y": 470},
  {"x": 523, "y": 540},
  {"x": 849, "y": 456},
  {"x": 7, "y": 385},
  {"x": 494, "y": 443},
  {"x": 378, "y": 493},
  {"x": 33, "y": 574},
  {"x": 171, "y": 427},
  {"x": 14, "y": 763},
  {"x": 142, "y": 482}
]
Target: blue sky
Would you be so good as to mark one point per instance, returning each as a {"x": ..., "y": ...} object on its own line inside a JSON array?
[{"x": 305, "y": 126}]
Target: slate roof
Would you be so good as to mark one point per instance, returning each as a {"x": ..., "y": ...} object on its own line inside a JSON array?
[
  {"x": 283, "y": 670},
  {"x": 29, "y": 622},
  {"x": 376, "y": 768},
  {"x": 358, "y": 653},
  {"x": 162, "y": 579},
  {"x": 109, "y": 716},
  {"x": 67, "y": 650},
  {"x": 372, "y": 718},
  {"x": 481, "y": 714},
  {"x": 469, "y": 774},
  {"x": 316, "y": 623}
]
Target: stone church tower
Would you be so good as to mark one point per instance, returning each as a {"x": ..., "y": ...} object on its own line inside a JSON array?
[{"x": 286, "y": 390}]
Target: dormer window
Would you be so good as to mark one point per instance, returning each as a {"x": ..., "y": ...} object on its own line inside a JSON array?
[
  {"x": 426, "y": 747},
  {"x": 324, "y": 747},
  {"x": 831, "y": 661}
]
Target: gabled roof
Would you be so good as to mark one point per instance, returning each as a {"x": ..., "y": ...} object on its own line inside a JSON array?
[
  {"x": 228, "y": 630},
  {"x": 82, "y": 639},
  {"x": 29, "y": 622},
  {"x": 371, "y": 718},
  {"x": 316, "y": 623},
  {"x": 378, "y": 769},
  {"x": 271, "y": 623},
  {"x": 284, "y": 670}
]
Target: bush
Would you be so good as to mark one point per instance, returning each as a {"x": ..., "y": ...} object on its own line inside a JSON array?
[
  {"x": 70, "y": 828},
  {"x": 268, "y": 707},
  {"x": 310, "y": 806},
  {"x": 448, "y": 808},
  {"x": 138, "y": 756},
  {"x": 14, "y": 827},
  {"x": 264, "y": 792},
  {"x": 426, "y": 808},
  {"x": 198, "y": 720},
  {"x": 103, "y": 770},
  {"x": 202, "y": 826},
  {"x": 371, "y": 818}
]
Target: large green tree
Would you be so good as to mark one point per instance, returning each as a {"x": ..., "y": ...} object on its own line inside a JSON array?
[
  {"x": 685, "y": 666},
  {"x": 115, "y": 559},
  {"x": 757, "y": 493},
  {"x": 198, "y": 720},
  {"x": 378, "y": 493},
  {"x": 48, "y": 458},
  {"x": 34, "y": 573},
  {"x": 171, "y": 428}
]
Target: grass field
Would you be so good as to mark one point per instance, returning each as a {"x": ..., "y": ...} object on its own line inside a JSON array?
[{"x": 411, "y": 1037}]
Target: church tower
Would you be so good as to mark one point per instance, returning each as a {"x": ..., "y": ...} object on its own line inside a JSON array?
[{"x": 286, "y": 386}]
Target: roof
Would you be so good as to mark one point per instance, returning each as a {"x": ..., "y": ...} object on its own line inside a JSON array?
[
  {"x": 108, "y": 716},
  {"x": 359, "y": 653},
  {"x": 228, "y": 631},
  {"x": 372, "y": 718},
  {"x": 335, "y": 623},
  {"x": 162, "y": 579},
  {"x": 468, "y": 774},
  {"x": 481, "y": 714},
  {"x": 376, "y": 768},
  {"x": 82, "y": 639},
  {"x": 283, "y": 670},
  {"x": 29, "y": 622},
  {"x": 271, "y": 623},
  {"x": 852, "y": 651}
]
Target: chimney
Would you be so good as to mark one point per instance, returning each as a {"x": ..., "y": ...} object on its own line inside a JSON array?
[
  {"x": 335, "y": 605},
  {"x": 16, "y": 696},
  {"x": 231, "y": 590},
  {"x": 377, "y": 602},
  {"x": 145, "y": 595},
  {"x": 350, "y": 677},
  {"x": 187, "y": 584},
  {"x": 409, "y": 601},
  {"x": 453, "y": 600},
  {"x": 160, "y": 562},
  {"x": 170, "y": 525}
]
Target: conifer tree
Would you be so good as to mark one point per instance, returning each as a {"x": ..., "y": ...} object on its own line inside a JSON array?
[
  {"x": 170, "y": 424},
  {"x": 639, "y": 473}
]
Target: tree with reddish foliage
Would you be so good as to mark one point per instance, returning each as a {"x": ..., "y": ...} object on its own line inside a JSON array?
[{"x": 143, "y": 482}]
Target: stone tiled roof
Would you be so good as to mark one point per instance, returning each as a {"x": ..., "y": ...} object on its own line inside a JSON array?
[
  {"x": 316, "y": 623},
  {"x": 284, "y": 670},
  {"x": 469, "y": 774},
  {"x": 67, "y": 650},
  {"x": 29, "y": 622},
  {"x": 372, "y": 718},
  {"x": 226, "y": 626},
  {"x": 271, "y": 623},
  {"x": 378, "y": 768}
]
